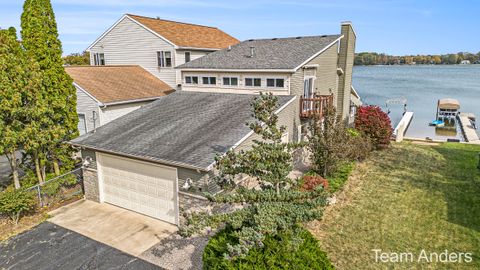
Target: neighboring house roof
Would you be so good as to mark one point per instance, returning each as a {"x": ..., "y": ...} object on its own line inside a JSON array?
[
  {"x": 287, "y": 54},
  {"x": 179, "y": 34},
  {"x": 118, "y": 84},
  {"x": 186, "y": 129}
]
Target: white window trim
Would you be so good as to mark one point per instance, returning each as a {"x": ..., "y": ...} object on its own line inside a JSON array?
[
  {"x": 230, "y": 86},
  {"x": 208, "y": 76},
  {"x": 253, "y": 82},
  {"x": 275, "y": 78},
  {"x": 185, "y": 80},
  {"x": 164, "y": 59},
  {"x": 185, "y": 56},
  {"x": 86, "y": 124}
]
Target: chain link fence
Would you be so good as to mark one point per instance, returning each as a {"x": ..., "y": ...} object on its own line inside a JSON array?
[{"x": 59, "y": 189}]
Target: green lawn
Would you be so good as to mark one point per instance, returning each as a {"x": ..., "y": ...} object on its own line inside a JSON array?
[{"x": 405, "y": 199}]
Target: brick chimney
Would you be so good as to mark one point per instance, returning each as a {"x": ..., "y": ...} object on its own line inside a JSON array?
[{"x": 345, "y": 62}]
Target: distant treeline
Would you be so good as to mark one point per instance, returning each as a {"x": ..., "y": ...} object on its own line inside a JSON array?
[{"x": 371, "y": 58}]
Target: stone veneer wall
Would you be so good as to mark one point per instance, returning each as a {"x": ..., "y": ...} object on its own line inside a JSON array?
[
  {"x": 191, "y": 203},
  {"x": 90, "y": 184}
]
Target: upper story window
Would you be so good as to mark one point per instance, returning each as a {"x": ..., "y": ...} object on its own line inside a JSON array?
[
  {"x": 256, "y": 82},
  {"x": 191, "y": 79},
  {"x": 209, "y": 80},
  {"x": 279, "y": 83},
  {"x": 231, "y": 81},
  {"x": 99, "y": 59},
  {"x": 187, "y": 57},
  {"x": 164, "y": 58}
]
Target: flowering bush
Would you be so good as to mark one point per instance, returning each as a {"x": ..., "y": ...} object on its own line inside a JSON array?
[
  {"x": 375, "y": 124},
  {"x": 311, "y": 182}
]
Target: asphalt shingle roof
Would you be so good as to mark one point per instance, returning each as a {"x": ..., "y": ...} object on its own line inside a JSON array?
[
  {"x": 111, "y": 84},
  {"x": 280, "y": 53},
  {"x": 187, "y": 34},
  {"x": 183, "y": 128}
]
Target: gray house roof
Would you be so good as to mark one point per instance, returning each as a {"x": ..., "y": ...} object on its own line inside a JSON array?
[
  {"x": 186, "y": 129},
  {"x": 270, "y": 54}
]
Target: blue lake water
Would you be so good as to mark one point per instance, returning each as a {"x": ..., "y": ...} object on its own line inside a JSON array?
[{"x": 422, "y": 86}]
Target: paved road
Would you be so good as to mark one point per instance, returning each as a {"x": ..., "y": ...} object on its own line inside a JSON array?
[{"x": 49, "y": 246}]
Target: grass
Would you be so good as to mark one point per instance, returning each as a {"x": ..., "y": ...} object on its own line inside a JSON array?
[{"x": 405, "y": 199}]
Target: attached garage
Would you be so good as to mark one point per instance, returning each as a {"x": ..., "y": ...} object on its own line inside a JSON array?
[{"x": 143, "y": 187}]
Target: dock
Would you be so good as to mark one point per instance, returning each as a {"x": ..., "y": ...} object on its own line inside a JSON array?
[
  {"x": 402, "y": 126},
  {"x": 468, "y": 129}
]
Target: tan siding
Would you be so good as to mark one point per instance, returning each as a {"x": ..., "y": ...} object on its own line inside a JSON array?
[
  {"x": 326, "y": 80},
  {"x": 288, "y": 117},
  {"x": 87, "y": 105},
  {"x": 241, "y": 88},
  {"x": 345, "y": 61}
]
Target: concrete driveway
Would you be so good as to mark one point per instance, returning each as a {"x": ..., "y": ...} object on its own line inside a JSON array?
[
  {"x": 124, "y": 230},
  {"x": 48, "y": 246}
]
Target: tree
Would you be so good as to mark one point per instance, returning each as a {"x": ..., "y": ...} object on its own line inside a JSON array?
[
  {"x": 59, "y": 120},
  {"x": 375, "y": 124},
  {"x": 77, "y": 59},
  {"x": 333, "y": 144},
  {"x": 19, "y": 82},
  {"x": 272, "y": 208}
]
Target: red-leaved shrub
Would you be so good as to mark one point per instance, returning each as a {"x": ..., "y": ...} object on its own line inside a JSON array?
[
  {"x": 375, "y": 124},
  {"x": 311, "y": 182}
]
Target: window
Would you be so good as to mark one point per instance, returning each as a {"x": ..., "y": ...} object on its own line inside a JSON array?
[
  {"x": 233, "y": 81},
  {"x": 209, "y": 80},
  {"x": 164, "y": 59},
  {"x": 275, "y": 83},
  {"x": 256, "y": 82},
  {"x": 82, "y": 124},
  {"x": 187, "y": 57},
  {"x": 99, "y": 59},
  {"x": 191, "y": 79}
]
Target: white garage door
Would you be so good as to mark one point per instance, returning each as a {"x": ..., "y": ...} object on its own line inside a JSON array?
[{"x": 139, "y": 186}]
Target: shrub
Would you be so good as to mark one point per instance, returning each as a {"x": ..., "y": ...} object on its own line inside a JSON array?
[
  {"x": 296, "y": 249},
  {"x": 15, "y": 201},
  {"x": 338, "y": 179},
  {"x": 311, "y": 182},
  {"x": 375, "y": 124}
]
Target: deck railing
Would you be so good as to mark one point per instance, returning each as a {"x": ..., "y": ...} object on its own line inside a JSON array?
[{"x": 310, "y": 107}]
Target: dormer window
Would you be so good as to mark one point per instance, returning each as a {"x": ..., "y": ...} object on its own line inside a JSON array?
[
  {"x": 191, "y": 79},
  {"x": 209, "y": 80},
  {"x": 278, "y": 83},
  {"x": 164, "y": 58},
  {"x": 253, "y": 82}
]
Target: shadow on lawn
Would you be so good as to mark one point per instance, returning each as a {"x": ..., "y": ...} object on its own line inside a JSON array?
[
  {"x": 450, "y": 169},
  {"x": 462, "y": 188}
]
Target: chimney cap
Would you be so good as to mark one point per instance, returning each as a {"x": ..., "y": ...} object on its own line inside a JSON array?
[{"x": 349, "y": 23}]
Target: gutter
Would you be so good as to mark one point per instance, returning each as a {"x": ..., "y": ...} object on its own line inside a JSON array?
[
  {"x": 155, "y": 160},
  {"x": 238, "y": 70},
  {"x": 130, "y": 101}
]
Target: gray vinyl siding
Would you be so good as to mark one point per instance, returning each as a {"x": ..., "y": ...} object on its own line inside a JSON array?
[
  {"x": 326, "y": 81},
  {"x": 202, "y": 181},
  {"x": 87, "y": 105},
  {"x": 128, "y": 43},
  {"x": 288, "y": 117}
]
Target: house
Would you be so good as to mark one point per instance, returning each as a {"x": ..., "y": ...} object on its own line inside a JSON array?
[
  {"x": 465, "y": 62},
  {"x": 157, "y": 160},
  {"x": 142, "y": 160},
  {"x": 302, "y": 66},
  {"x": 105, "y": 93},
  {"x": 156, "y": 45}
]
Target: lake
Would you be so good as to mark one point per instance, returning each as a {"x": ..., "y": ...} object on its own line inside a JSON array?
[{"x": 422, "y": 86}]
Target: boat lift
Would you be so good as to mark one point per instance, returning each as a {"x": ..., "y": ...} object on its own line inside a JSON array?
[{"x": 447, "y": 112}]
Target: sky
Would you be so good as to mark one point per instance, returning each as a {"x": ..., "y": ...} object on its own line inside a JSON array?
[{"x": 397, "y": 27}]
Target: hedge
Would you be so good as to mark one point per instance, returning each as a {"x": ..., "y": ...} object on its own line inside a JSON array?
[{"x": 278, "y": 252}]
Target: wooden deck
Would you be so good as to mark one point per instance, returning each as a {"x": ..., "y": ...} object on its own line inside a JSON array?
[
  {"x": 314, "y": 107},
  {"x": 469, "y": 131}
]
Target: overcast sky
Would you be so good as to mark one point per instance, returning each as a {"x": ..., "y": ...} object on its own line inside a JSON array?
[{"x": 391, "y": 26}]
